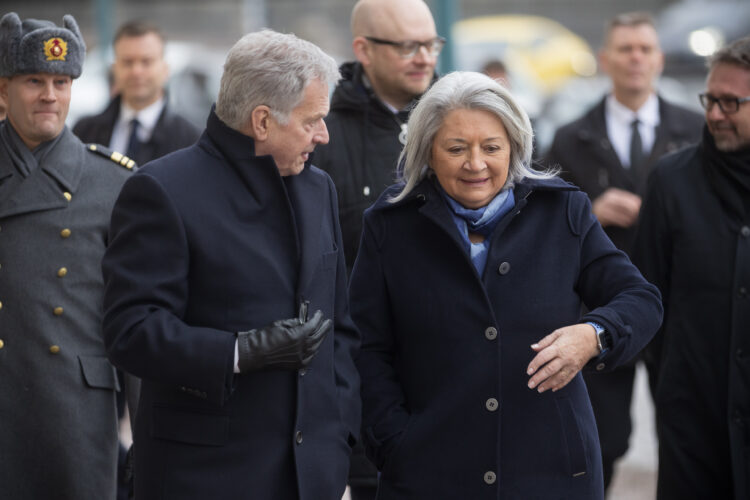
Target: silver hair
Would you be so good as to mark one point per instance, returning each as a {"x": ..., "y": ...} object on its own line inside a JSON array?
[
  {"x": 466, "y": 90},
  {"x": 272, "y": 69}
]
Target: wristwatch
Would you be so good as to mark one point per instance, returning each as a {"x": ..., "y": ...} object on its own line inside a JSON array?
[{"x": 603, "y": 337}]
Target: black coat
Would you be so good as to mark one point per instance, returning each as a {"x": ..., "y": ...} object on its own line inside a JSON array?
[
  {"x": 206, "y": 242},
  {"x": 447, "y": 413},
  {"x": 698, "y": 253},
  {"x": 585, "y": 154},
  {"x": 172, "y": 132},
  {"x": 363, "y": 151}
]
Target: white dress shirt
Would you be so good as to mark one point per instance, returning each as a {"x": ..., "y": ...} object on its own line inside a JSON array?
[
  {"x": 147, "y": 118},
  {"x": 619, "y": 129}
]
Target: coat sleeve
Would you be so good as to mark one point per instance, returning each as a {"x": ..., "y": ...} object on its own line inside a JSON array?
[
  {"x": 614, "y": 291},
  {"x": 384, "y": 414},
  {"x": 346, "y": 339},
  {"x": 145, "y": 272},
  {"x": 652, "y": 254}
]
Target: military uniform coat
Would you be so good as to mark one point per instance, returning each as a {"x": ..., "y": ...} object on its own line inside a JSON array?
[
  {"x": 206, "y": 242},
  {"x": 58, "y": 426},
  {"x": 446, "y": 408}
]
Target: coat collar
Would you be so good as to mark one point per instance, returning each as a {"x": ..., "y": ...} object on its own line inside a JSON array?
[
  {"x": 44, "y": 188},
  {"x": 262, "y": 179}
]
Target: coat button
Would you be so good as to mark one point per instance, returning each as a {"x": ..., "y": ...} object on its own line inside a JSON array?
[
  {"x": 302, "y": 372},
  {"x": 62, "y": 272},
  {"x": 743, "y": 292},
  {"x": 65, "y": 233},
  {"x": 492, "y": 404},
  {"x": 491, "y": 333},
  {"x": 504, "y": 268},
  {"x": 54, "y": 349},
  {"x": 745, "y": 231},
  {"x": 490, "y": 477},
  {"x": 366, "y": 191},
  {"x": 58, "y": 311},
  {"x": 1, "y": 305},
  {"x": 298, "y": 437},
  {"x": 2, "y": 344},
  {"x": 67, "y": 196},
  {"x": 600, "y": 367}
]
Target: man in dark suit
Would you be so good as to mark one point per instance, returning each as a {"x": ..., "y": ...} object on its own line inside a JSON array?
[
  {"x": 608, "y": 153},
  {"x": 217, "y": 253},
  {"x": 58, "y": 437},
  {"x": 138, "y": 121}
]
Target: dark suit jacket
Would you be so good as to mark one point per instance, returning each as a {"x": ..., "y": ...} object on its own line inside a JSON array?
[
  {"x": 206, "y": 242},
  {"x": 172, "y": 132},
  {"x": 588, "y": 160}
]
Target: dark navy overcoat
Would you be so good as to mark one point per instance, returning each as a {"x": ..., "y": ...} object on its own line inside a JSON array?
[
  {"x": 446, "y": 408},
  {"x": 205, "y": 242}
]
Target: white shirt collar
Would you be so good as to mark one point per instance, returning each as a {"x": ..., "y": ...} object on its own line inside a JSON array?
[
  {"x": 648, "y": 114},
  {"x": 147, "y": 117}
]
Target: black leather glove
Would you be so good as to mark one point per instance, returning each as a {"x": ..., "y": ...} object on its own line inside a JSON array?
[{"x": 287, "y": 344}]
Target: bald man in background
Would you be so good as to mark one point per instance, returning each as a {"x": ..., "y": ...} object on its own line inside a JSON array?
[{"x": 396, "y": 46}]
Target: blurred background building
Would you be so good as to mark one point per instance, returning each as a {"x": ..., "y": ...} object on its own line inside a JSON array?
[{"x": 549, "y": 46}]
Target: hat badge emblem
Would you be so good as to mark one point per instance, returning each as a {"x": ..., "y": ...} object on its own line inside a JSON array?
[{"x": 55, "y": 49}]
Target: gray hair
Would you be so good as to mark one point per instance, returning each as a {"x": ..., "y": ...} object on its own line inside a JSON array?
[
  {"x": 272, "y": 69},
  {"x": 737, "y": 53},
  {"x": 466, "y": 90}
]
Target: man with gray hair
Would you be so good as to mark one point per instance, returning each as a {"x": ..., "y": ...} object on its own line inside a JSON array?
[
  {"x": 217, "y": 253},
  {"x": 58, "y": 437},
  {"x": 694, "y": 244}
]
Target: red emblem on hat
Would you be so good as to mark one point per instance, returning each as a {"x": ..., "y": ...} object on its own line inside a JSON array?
[{"x": 55, "y": 49}]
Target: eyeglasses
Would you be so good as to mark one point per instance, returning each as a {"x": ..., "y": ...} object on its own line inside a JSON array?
[
  {"x": 728, "y": 105},
  {"x": 409, "y": 48}
]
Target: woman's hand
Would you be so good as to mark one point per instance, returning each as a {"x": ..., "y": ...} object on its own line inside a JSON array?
[{"x": 561, "y": 355}]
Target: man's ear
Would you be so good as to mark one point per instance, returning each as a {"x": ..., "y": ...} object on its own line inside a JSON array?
[
  {"x": 260, "y": 123},
  {"x": 4, "y": 89},
  {"x": 361, "y": 50}
]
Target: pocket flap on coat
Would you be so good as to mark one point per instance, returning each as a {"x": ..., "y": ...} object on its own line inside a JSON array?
[
  {"x": 98, "y": 372},
  {"x": 188, "y": 427}
]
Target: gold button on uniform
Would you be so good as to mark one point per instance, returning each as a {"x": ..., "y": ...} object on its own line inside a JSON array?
[
  {"x": 1, "y": 305},
  {"x": 54, "y": 349},
  {"x": 58, "y": 311},
  {"x": 2, "y": 344},
  {"x": 68, "y": 196},
  {"x": 62, "y": 272},
  {"x": 65, "y": 233}
]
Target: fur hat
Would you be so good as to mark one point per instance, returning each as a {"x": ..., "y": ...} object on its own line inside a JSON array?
[{"x": 37, "y": 46}]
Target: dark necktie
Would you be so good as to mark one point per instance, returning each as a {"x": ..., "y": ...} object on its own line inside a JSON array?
[
  {"x": 133, "y": 142},
  {"x": 636, "y": 147}
]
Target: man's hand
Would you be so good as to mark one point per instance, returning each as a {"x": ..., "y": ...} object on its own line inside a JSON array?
[
  {"x": 617, "y": 207},
  {"x": 288, "y": 344},
  {"x": 561, "y": 355}
]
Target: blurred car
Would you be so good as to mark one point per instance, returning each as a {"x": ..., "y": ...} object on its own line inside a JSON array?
[
  {"x": 690, "y": 30},
  {"x": 195, "y": 72},
  {"x": 545, "y": 50}
]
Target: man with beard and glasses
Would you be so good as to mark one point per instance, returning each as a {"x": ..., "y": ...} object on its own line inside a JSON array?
[{"x": 694, "y": 244}]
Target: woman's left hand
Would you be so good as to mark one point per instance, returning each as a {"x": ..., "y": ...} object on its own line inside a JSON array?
[{"x": 561, "y": 355}]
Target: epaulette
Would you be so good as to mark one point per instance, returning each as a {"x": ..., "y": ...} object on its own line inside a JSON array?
[{"x": 116, "y": 157}]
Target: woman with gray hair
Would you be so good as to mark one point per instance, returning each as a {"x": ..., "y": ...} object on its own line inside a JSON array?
[{"x": 468, "y": 289}]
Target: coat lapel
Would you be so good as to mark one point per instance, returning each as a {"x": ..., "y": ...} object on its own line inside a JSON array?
[
  {"x": 45, "y": 187},
  {"x": 308, "y": 211}
]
